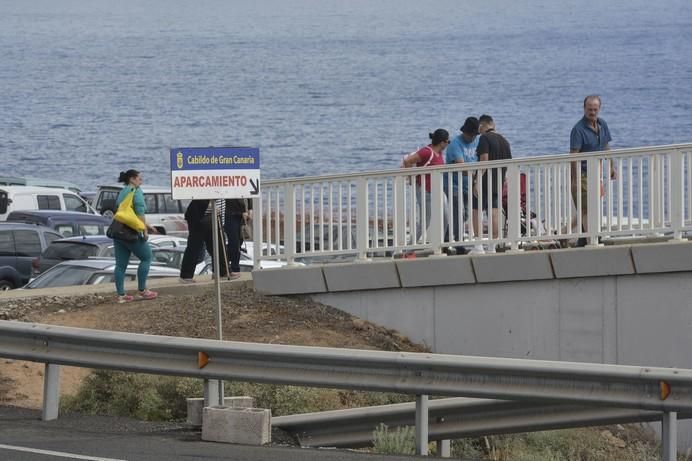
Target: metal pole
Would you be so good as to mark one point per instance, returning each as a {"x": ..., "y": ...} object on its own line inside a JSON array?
[
  {"x": 51, "y": 392},
  {"x": 211, "y": 393},
  {"x": 669, "y": 436},
  {"x": 217, "y": 283},
  {"x": 422, "y": 425}
]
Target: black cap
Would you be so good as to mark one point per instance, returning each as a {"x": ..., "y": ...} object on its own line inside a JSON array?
[{"x": 470, "y": 126}]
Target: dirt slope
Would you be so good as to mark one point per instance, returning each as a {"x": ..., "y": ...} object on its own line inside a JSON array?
[{"x": 247, "y": 317}]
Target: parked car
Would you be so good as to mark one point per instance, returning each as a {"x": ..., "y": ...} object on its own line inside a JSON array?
[
  {"x": 167, "y": 241},
  {"x": 163, "y": 212},
  {"x": 173, "y": 257},
  {"x": 19, "y": 245},
  {"x": 66, "y": 223},
  {"x": 91, "y": 272},
  {"x": 91, "y": 246},
  {"x": 9, "y": 278},
  {"x": 40, "y": 198},
  {"x": 29, "y": 181}
]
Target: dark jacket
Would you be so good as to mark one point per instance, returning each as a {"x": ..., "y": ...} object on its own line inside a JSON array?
[
  {"x": 238, "y": 205},
  {"x": 196, "y": 210}
]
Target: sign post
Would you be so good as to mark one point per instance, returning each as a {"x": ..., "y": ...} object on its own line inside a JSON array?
[{"x": 211, "y": 173}]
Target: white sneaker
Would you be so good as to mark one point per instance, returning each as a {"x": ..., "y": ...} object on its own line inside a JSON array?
[
  {"x": 491, "y": 248},
  {"x": 477, "y": 250}
]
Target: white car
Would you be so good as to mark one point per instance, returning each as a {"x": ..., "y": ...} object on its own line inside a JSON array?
[
  {"x": 163, "y": 212},
  {"x": 167, "y": 241}
]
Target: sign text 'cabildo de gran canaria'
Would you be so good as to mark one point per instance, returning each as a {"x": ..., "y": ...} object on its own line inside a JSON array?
[{"x": 215, "y": 172}]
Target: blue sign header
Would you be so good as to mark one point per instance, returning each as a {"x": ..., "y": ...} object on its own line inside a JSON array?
[{"x": 215, "y": 158}]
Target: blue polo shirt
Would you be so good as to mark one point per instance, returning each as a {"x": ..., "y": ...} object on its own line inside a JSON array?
[
  {"x": 460, "y": 149},
  {"x": 584, "y": 139}
]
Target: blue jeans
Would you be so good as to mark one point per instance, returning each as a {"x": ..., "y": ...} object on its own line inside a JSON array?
[
  {"x": 123, "y": 250},
  {"x": 457, "y": 227}
]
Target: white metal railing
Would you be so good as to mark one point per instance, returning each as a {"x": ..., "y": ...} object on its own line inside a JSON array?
[{"x": 381, "y": 213}]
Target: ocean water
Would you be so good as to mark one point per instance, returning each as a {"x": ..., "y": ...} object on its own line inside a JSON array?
[{"x": 89, "y": 88}]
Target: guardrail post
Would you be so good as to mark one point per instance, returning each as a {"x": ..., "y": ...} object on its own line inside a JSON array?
[
  {"x": 422, "y": 425},
  {"x": 513, "y": 207},
  {"x": 677, "y": 192},
  {"x": 211, "y": 393},
  {"x": 443, "y": 447},
  {"x": 362, "y": 218},
  {"x": 669, "y": 436},
  {"x": 437, "y": 204},
  {"x": 290, "y": 224},
  {"x": 593, "y": 199},
  {"x": 51, "y": 392}
]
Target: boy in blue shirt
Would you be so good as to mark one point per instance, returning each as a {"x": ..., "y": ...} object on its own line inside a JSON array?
[{"x": 462, "y": 149}]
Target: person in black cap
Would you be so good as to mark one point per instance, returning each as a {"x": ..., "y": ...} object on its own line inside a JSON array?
[{"x": 462, "y": 149}]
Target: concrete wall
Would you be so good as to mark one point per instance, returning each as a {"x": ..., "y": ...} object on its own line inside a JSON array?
[
  {"x": 626, "y": 304},
  {"x": 633, "y": 320}
]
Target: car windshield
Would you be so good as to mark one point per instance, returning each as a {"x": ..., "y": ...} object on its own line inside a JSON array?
[
  {"x": 70, "y": 250},
  {"x": 61, "y": 276}
]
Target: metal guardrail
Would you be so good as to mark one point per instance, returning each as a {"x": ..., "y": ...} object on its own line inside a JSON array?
[
  {"x": 384, "y": 212},
  {"x": 645, "y": 388},
  {"x": 453, "y": 418}
]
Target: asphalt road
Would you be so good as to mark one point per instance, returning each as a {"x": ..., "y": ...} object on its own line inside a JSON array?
[{"x": 24, "y": 437}]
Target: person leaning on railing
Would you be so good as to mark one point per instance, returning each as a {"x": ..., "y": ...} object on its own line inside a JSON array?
[
  {"x": 590, "y": 134},
  {"x": 491, "y": 146},
  {"x": 462, "y": 149},
  {"x": 430, "y": 155}
]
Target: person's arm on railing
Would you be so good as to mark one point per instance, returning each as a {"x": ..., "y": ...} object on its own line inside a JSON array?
[{"x": 411, "y": 160}]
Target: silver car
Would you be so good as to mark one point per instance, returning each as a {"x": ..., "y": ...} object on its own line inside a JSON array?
[{"x": 91, "y": 272}]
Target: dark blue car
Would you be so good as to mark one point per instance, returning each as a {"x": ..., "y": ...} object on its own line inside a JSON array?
[{"x": 66, "y": 223}]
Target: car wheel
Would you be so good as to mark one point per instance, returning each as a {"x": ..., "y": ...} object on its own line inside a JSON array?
[
  {"x": 108, "y": 213},
  {"x": 6, "y": 285}
]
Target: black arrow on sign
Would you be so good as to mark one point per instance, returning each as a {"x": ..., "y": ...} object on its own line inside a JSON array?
[{"x": 255, "y": 187}]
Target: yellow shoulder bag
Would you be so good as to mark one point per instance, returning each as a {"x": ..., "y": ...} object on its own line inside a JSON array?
[{"x": 126, "y": 213}]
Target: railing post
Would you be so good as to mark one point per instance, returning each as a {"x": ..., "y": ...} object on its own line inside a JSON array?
[
  {"x": 362, "y": 218},
  {"x": 669, "y": 436},
  {"x": 422, "y": 425},
  {"x": 677, "y": 192},
  {"x": 399, "y": 207},
  {"x": 257, "y": 223},
  {"x": 290, "y": 224},
  {"x": 593, "y": 199},
  {"x": 513, "y": 206},
  {"x": 51, "y": 392},
  {"x": 437, "y": 212}
]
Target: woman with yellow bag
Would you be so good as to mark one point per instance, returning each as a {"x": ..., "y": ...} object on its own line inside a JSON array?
[{"x": 131, "y": 212}]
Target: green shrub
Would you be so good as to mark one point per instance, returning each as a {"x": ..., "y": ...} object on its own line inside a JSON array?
[
  {"x": 163, "y": 398},
  {"x": 467, "y": 448},
  {"x": 400, "y": 441}
]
